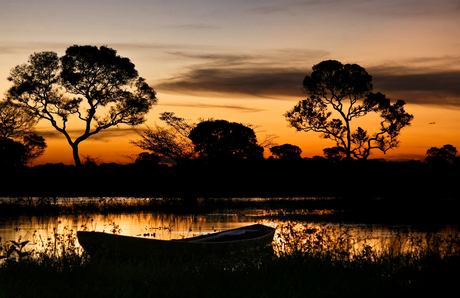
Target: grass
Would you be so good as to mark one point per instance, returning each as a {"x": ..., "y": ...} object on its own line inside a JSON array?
[
  {"x": 111, "y": 205},
  {"x": 308, "y": 262},
  {"x": 435, "y": 211}
]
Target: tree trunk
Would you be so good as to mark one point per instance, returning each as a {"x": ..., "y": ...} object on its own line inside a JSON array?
[
  {"x": 76, "y": 156},
  {"x": 348, "y": 138}
]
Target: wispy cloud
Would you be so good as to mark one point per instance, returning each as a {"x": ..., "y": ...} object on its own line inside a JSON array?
[
  {"x": 31, "y": 47},
  {"x": 104, "y": 136},
  {"x": 269, "y": 74},
  {"x": 259, "y": 82},
  {"x": 270, "y": 9},
  {"x": 429, "y": 80},
  {"x": 195, "y": 26},
  {"x": 218, "y": 106},
  {"x": 215, "y": 59}
]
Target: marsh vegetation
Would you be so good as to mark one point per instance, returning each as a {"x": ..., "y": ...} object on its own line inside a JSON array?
[
  {"x": 307, "y": 263},
  {"x": 312, "y": 258}
]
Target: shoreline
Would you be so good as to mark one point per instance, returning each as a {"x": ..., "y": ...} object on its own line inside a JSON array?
[{"x": 268, "y": 179}]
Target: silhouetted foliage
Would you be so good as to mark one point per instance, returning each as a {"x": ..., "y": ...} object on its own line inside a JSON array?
[
  {"x": 267, "y": 178},
  {"x": 335, "y": 153},
  {"x": 347, "y": 89},
  {"x": 170, "y": 143},
  {"x": 220, "y": 140},
  {"x": 34, "y": 145},
  {"x": 90, "y": 161},
  {"x": 19, "y": 145},
  {"x": 147, "y": 159},
  {"x": 443, "y": 155},
  {"x": 94, "y": 84},
  {"x": 19, "y": 153},
  {"x": 180, "y": 125},
  {"x": 286, "y": 152},
  {"x": 16, "y": 120},
  {"x": 12, "y": 153}
]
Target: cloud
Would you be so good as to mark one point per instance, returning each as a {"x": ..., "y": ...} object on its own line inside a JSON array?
[
  {"x": 31, "y": 47},
  {"x": 444, "y": 82},
  {"x": 259, "y": 82},
  {"x": 195, "y": 26},
  {"x": 213, "y": 106},
  {"x": 426, "y": 80},
  {"x": 216, "y": 59},
  {"x": 420, "y": 85},
  {"x": 279, "y": 57},
  {"x": 269, "y": 74},
  {"x": 104, "y": 135},
  {"x": 271, "y": 9}
]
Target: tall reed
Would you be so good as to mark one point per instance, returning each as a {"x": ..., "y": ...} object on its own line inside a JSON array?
[{"x": 313, "y": 261}]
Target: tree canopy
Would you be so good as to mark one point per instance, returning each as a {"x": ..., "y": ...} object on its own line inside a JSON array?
[
  {"x": 335, "y": 153},
  {"x": 344, "y": 92},
  {"x": 286, "y": 152},
  {"x": 220, "y": 140},
  {"x": 20, "y": 152},
  {"x": 19, "y": 144},
  {"x": 171, "y": 142},
  {"x": 445, "y": 154},
  {"x": 95, "y": 85},
  {"x": 16, "y": 120}
]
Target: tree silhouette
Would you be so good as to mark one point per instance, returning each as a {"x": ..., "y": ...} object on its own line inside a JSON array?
[
  {"x": 15, "y": 120},
  {"x": 18, "y": 145},
  {"x": 34, "y": 146},
  {"x": 220, "y": 140},
  {"x": 347, "y": 90},
  {"x": 147, "y": 159},
  {"x": 443, "y": 155},
  {"x": 173, "y": 142},
  {"x": 12, "y": 153},
  {"x": 20, "y": 152},
  {"x": 94, "y": 84},
  {"x": 335, "y": 153},
  {"x": 286, "y": 152}
]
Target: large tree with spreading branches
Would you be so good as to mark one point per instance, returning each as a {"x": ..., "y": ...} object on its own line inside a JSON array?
[
  {"x": 339, "y": 94},
  {"x": 95, "y": 85}
]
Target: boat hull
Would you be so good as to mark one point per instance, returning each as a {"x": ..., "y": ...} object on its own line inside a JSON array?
[{"x": 251, "y": 238}]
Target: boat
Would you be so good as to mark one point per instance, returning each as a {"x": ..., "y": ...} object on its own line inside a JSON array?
[{"x": 251, "y": 238}]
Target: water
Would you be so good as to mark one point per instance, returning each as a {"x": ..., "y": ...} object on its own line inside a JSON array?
[
  {"x": 158, "y": 226},
  {"x": 176, "y": 226}
]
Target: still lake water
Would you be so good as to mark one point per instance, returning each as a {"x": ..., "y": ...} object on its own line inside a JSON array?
[{"x": 176, "y": 226}]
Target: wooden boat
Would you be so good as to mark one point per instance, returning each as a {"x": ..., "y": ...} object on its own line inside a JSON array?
[{"x": 250, "y": 238}]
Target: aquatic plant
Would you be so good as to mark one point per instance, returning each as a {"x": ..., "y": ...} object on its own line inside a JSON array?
[
  {"x": 310, "y": 260},
  {"x": 13, "y": 250},
  {"x": 60, "y": 250},
  {"x": 346, "y": 245}
]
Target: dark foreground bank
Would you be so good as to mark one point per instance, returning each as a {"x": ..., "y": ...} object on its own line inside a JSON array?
[
  {"x": 292, "y": 276},
  {"x": 269, "y": 178}
]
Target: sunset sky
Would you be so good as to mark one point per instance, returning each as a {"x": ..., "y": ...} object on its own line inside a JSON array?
[{"x": 245, "y": 60}]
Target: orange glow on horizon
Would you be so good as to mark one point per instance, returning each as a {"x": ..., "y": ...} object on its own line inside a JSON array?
[{"x": 430, "y": 128}]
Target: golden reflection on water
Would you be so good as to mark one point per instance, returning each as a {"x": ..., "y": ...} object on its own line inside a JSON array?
[
  {"x": 355, "y": 241},
  {"x": 352, "y": 240},
  {"x": 158, "y": 226}
]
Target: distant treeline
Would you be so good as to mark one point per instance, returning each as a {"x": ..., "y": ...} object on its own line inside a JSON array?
[{"x": 268, "y": 178}]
